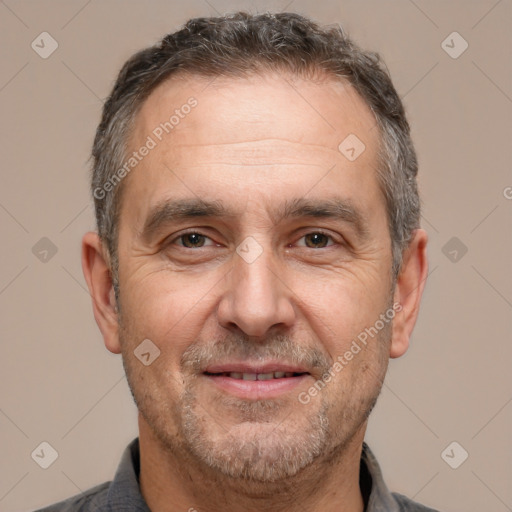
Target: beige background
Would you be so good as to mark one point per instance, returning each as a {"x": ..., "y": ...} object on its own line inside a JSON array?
[{"x": 58, "y": 382}]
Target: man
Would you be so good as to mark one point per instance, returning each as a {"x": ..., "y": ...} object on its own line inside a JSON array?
[{"x": 258, "y": 261}]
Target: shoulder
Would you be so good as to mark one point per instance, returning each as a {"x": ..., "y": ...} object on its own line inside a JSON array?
[
  {"x": 91, "y": 500},
  {"x": 407, "y": 505}
]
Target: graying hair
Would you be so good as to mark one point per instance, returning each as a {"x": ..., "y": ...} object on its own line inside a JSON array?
[{"x": 239, "y": 44}]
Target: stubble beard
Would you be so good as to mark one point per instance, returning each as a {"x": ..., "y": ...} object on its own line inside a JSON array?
[{"x": 254, "y": 448}]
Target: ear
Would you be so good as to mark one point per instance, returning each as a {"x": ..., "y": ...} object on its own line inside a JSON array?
[
  {"x": 96, "y": 270},
  {"x": 408, "y": 291}
]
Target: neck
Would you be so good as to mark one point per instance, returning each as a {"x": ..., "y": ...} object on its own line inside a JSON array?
[{"x": 174, "y": 480}]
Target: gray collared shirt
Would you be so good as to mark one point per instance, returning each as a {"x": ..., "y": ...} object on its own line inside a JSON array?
[{"x": 123, "y": 493}]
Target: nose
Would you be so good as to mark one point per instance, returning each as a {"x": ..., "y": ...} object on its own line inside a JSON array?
[{"x": 256, "y": 299}]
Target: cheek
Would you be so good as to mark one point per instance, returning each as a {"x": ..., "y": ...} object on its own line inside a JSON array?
[
  {"x": 166, "y": 307},
  {"x": 338, "y": 308}
]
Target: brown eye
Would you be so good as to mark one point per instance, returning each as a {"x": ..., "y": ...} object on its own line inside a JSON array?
[
  {"x": 192, "y": 240},
  {"x": 316, "y": 240}
]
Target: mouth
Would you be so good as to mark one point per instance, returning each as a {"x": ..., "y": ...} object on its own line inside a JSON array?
[
  {"x": 253, "y": 382},
  {"x": 256, "y": 376}
]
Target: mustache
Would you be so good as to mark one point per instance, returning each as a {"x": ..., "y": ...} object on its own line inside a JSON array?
[{"x": 199, "y": 355}]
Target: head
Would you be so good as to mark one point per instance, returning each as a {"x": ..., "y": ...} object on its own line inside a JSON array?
[{"x": 273, "y": 216}]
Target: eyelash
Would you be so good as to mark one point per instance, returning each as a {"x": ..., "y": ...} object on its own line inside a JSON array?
[{"x": 195, "y": 232}]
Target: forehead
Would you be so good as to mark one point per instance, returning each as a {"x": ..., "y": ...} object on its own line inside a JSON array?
[
  {"x": 258, "y": 134},
  {"x": 272, "y": 105}
]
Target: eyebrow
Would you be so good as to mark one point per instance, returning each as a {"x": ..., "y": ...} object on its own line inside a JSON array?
[
  {"x": 336, "y": 208},
  {"x": 176, "y": 210}
]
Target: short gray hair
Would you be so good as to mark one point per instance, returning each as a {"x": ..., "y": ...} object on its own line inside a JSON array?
[{"x": 236, "y": 45}]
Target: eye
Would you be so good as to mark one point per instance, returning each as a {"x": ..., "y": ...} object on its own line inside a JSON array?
[
  {"x": 316, "y": 240},
  {"x": 192, "y": 240},
  {"x": 196, "y": 240}
]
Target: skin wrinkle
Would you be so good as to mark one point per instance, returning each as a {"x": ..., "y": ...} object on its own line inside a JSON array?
[
  {"x": 204, "y": 448},
  {"x": 191, "y": 428},
  {"x": 171, "y": 211}
]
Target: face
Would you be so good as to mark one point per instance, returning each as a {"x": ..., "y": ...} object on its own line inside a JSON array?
[{"x": 252, "y": 254}]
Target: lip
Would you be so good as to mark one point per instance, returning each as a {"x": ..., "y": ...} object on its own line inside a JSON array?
[
  {"x": 244, "y": 367},
  {"x": 256, "y": 389}
]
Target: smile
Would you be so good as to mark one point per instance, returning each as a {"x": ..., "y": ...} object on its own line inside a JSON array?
[
  {"x": 256, "y": 376},
  {"x": 256, "y": 386}
]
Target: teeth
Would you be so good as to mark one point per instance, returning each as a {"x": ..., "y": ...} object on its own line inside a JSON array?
[
  {"x": 265, "y": 376},
  {"x": 259, "y": 376}
]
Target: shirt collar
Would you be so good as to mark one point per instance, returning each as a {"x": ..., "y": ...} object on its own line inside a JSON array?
[
  {"x": 124, "y": 492},
  {"x": 379, "y": 499}
]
